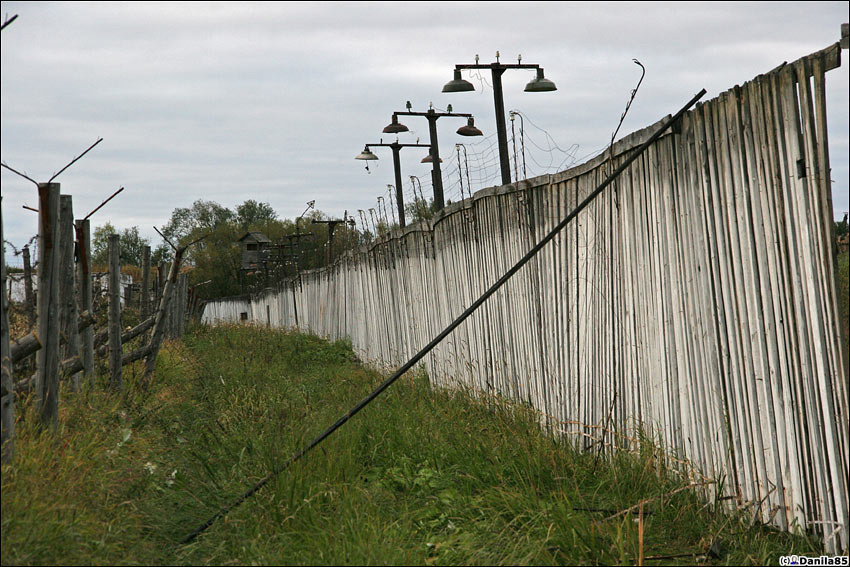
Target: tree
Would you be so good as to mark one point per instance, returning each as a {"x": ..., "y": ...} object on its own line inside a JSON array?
[
  {"x": 162, "y": 253},
  {"x": 841, "y": 228},
  {"x": 131, "y": 245},
  {"x": 202, "y": 217},
  {"x": 251, "y": 213},
  {"x": 420, "y": 210}
]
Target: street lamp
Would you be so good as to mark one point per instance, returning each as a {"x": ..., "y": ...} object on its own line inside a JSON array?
[
  {"x": 367, "y": 154},
  {"x": 536, "y": 85},
  {"x": 434, "y": 155}
]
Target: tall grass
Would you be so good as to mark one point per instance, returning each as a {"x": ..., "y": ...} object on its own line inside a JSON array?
[{"x": 418, "y": 477}]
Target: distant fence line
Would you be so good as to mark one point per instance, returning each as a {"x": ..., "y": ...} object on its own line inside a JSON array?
[{"x": 696, "y": 298}]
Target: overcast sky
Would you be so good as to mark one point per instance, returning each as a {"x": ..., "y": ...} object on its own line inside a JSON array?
[{"x": 272, "y": 101}]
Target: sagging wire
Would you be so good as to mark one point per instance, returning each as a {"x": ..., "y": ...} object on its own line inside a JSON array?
[
  {"x": 568, "y": 153},
  {"x": 609, "y": 162}
]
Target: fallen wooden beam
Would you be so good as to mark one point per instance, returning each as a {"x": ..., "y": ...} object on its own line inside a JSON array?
[
  {"x": 74, "y": 364},
  {"x": 126, "y": 336},
  {"x": 28, "y": 344}
]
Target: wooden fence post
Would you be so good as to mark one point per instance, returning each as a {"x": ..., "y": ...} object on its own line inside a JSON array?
[
  {"x": 145, "y": 307},
  {"x": 47, "y": 359},
  {"x": 28, "y": 294},
  {"x": 83, "y": 231},
  {"x": 114, "y": 324},
  {"x": 68, "y": 319},
  {"x": 7, "y": 389}
]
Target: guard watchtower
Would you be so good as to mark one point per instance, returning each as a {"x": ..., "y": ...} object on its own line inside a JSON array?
[{"x": 255, "y": 250}]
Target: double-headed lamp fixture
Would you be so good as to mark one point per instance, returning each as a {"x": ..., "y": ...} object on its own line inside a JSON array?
[{"x": 538, "y": 84}]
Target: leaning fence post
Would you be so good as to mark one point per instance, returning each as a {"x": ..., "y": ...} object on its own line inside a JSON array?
[
  {"x": 7, "y": 388},
  {"x": 47, "y": 359},
  {"x": 162, "y": 315},
  {"x": 67, "y": 296},
  {"x": 114, "y": 324},
  {"x": 83, "y": 231},
  {"x": 144, "y": 307},
  {"x": 160, "y": 278},
  {"x": 181, "y": 304}
]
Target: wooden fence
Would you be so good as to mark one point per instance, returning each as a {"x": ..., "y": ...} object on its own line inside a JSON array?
[
  {"x": 63, "y": 340},
  {"x": 695, "y": 299}
]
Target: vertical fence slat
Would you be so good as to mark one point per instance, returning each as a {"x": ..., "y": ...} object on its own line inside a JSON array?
[
  {"x": 114, "y": 323},
  {"x": 47, "y": 358},
  {"x": 83, "y": 232}
]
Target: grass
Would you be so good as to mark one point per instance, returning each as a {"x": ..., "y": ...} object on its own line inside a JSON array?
[{"x": 419, "y": 477}]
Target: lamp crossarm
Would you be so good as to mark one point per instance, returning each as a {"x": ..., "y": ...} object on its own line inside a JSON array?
[
  {"x": 437, "y": 114},
  {"x": 400, "y": 145},
  {"x": 501, "y": 66}
]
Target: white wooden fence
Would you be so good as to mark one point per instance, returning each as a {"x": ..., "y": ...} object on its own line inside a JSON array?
[{"x": 695, "y": 299}]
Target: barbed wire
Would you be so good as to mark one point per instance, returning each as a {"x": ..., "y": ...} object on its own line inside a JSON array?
[{"x": 478, "y": 165}]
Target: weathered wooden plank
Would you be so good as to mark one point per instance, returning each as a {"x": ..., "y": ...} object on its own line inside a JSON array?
[
  {"x": 67, "y": 289},
  {"x": 114, "y": 323},
  {"x": 144, "y": 295},
  {"x": 161, "y": 315},
  {"x": 47, "y": 360},
  {"x": 83, "y": 235},
  {"x": 30, "y": 343}
]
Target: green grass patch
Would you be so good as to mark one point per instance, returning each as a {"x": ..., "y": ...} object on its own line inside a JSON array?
[{"x": 421, "y": 476}]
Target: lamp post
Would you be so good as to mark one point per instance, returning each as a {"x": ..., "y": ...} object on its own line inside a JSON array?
[
  {"x": 434, "y": 154},
  {"x": 366, "y": 154},
  {"x": 497, "y": 69}
]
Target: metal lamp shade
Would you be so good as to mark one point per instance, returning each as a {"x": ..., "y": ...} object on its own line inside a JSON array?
[
  {"x": 429, "y": 159},
  {"x": 395, "y": 127},
  {"x": 366, "y": 154},
  {"x": 457, "y": 84},
  {"x": 540, "y": 84},
  {"x": 469, "y": 129}
]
